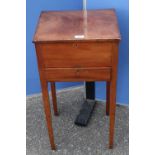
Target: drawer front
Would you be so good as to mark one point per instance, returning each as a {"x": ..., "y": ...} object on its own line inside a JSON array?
[
  {"x": 77, "y": 55},
  {"x": 77, "y": 74}
]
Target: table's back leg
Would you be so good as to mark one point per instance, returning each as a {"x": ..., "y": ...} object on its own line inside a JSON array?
[
  {"x": 54, "y": 99},
  {"x": 47, "y": 110},
  {"x": 107, "y": 97},
  {"x": 112, "y": 112}
]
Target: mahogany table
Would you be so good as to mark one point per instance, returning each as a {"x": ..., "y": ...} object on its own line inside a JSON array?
[{"x": 77, "y": 46}]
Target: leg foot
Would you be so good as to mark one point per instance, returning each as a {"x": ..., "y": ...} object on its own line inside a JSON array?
[
  {"x": 110, "y": 146},
  {"x": 54, "y": 148}
]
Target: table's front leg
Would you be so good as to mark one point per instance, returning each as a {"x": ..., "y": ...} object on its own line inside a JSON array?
[
  {"x": 112, "y": 96},
  {"x": 112, "y": 112},
  {"x": 47, "y": 109}
]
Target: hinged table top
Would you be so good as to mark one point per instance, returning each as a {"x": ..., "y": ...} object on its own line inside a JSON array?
[{"x": 55, "y": 26}]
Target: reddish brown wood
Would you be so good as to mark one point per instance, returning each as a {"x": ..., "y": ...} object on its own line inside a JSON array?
[
  {"x": 113, "y": 94},
  {"x": 107, "y": 97},
  {"x": 77, "y": 74},
  {"x": 63, "y": 57},
  {"x": 54, "y": 100},
  {"x": 48, "y": 112},
  {"x": 56, "y": 26},
  {"x": 45, "y": 96},
  {"x": 83, "y": 54}
]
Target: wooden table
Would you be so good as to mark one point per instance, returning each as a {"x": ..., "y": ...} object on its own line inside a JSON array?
[{"x": 77, "y": 46}]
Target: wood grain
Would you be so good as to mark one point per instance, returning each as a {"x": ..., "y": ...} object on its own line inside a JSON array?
[
  {"x": 65, "y": 55},
  {"x": 113, "y": 95},
  {"x": 77, "y": 74},
  {"x": 60, "y": 26}
]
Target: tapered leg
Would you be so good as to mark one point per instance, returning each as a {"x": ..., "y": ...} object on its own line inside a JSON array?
[
  {"x": 107, "y": 98},
  {"x": 112, "y": 112},
  {"x": 47, "y": 110},
  {"x": 53, "y": 93},
  {"x": 112, "y": 98}
]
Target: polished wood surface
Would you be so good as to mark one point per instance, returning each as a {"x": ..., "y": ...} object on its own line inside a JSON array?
[
  {"x": 112, "y": 95},
  {"x": 63, "y": 57},
  {"x": 75, "y": 54},
  {"x": 56, "y": 26},
  {"x": 77, "y": 74}
]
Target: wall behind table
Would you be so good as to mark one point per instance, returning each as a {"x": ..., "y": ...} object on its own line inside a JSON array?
[
  {"x": 33, "y": 9},
  {"x": 122, "y": 9}
]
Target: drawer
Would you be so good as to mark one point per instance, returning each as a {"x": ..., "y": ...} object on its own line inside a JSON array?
[
  {"x": 77, "y": 55},
  {"x": 77, "y": 74}
]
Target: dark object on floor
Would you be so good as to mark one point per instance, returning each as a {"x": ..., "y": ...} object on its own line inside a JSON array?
[
  {"x": 85, "y": 112},
  {"x": 88, "y": 106},
  {"x": 90, "y": 90}
]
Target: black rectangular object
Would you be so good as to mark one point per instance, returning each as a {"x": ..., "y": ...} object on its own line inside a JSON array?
[
  {"x": 85, "y": 112},
  {"x": 90, "y": 90}
]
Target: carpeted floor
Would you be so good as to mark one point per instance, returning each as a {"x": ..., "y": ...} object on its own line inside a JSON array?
[{"x": 69, "y": 138}]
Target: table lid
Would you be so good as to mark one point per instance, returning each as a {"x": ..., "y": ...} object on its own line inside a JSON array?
[{"x": 57, "y": 26}]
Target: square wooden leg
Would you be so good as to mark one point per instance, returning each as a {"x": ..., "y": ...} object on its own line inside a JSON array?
[
  {"x": 107, "y": 98},
  {"x": 54, "y": 99},
  {"x": 112, "y": 112},
  {"x": 112, "y": 98},
  {"x": 47, "y": 110}
]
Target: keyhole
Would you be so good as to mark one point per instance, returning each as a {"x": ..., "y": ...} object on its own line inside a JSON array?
[
  {"x": 77, "y": 72},
  {"x": 75, "y": 45}
]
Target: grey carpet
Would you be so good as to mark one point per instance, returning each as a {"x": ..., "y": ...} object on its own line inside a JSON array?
[{"x": 69, "y": 138}]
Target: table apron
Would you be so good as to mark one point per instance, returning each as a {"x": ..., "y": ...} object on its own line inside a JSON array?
[{"x": 77, "y": 74}]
